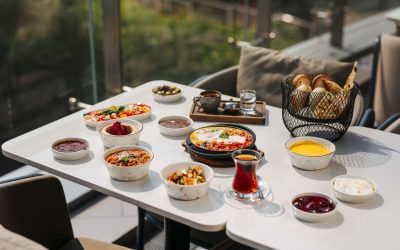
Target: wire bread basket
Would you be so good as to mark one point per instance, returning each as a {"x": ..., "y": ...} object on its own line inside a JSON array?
[{"x": 319, "y": 113}]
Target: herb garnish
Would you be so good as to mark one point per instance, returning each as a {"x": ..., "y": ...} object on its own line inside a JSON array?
[
  {"x": 125, "y": 159},
  {"x": 224, "y": 135}
]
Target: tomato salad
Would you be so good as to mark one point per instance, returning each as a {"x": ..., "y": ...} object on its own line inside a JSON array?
[{"x": 117, "y": 112}]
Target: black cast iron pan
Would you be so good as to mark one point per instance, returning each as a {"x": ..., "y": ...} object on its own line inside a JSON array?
[{"x": 198, "y": 150}]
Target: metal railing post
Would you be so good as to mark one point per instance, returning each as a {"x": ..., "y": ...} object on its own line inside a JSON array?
[
  {"x": 112, "y": 46},
  {"x": 264, "y": 21},
  {"x": 338, "y": 15}
]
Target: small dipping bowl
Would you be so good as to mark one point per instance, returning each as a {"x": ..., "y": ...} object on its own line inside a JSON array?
[
  {"x": 231, "y": 107},
  {"x": 127, "y": 173},
  {"x": 70, "y": 154},
  {"x": 171, "y": 131},
  {"x": 351, "y": 183},
  {"x": 186, "y": 192},
  {"x": 110, "y": 140},
  {"x": 310, "y": 162},
  {"x": 167, "y": 98},
  {"x": 310, "y": 216}
]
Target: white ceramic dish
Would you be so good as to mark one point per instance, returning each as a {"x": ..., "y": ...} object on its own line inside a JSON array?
[
  {"x": 139, "y": 117},
  {"x": 70, "y": 156},
  {"x": 353, "y": 198},
  {"x": 310, "y": 162},
  {"x": 119, "y": 140},
  {"x": 313, "y": 217},
  {"x": 190, "y": 192},
  {"x": 175, "y": 131},
  {"x": 167, "y": 98},
  {"x": 127, "y": 173}
]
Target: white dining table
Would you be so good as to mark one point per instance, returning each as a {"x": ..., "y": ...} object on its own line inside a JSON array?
[{"x": 361, "y": 151}]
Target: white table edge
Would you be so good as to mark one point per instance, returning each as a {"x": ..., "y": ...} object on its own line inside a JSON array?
[{"x": 199, "y": 226}]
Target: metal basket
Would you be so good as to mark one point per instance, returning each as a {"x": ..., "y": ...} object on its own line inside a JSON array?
[{"x": 326, "y": 115}]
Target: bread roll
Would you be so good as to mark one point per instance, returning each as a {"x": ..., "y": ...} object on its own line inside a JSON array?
[
  {"x": 318, "y": 81},
  {"x": 304, "y": 87},
  {"x": 301, "y": 79},
  {"x": 316, "y": 95},
  {"x": 319, "y": 90},
  {"x": 350, "y": 79},
  {"x": 331, "y": 105},
  {"x": 325, "y": 108},
  {"x": 299, "y": 97},
  {"x": 332, "y": 86}
]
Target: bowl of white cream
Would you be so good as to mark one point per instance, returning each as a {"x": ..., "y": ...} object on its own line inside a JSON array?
[{"x": 353, "y": 189}]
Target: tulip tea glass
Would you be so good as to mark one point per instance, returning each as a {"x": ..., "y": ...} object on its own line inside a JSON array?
[{"x": 245, "y": 183}]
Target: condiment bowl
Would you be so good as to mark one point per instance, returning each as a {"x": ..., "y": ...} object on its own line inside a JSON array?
[
  {"x": 310, "y": 162},
  {"x": 70, "y": 156},
  {"x": 110, "y": 140},
  {"x": 127, "y": 173},
  {"x": 341, "y": 194},
  {"x": 313, "y": 217},
  {"x": 167, "y": 98},
  {"x": 175, "y": 131},
  {"x": 186, "y": 192}
]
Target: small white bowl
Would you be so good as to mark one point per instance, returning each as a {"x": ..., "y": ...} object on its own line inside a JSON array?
[
  {"x": 70, "y": 156},
  {"x": 119, "y": 140},
  {"x": 310, "y": 162},
  {"x": 167, "y": 98},
  {"x": 353, "y": 198},
  {"x": 128, "y": 173},
  {"x": 313, "y": 217},
  {"x": 189, "y": 192},
  {"x": 175, "y": 131}
]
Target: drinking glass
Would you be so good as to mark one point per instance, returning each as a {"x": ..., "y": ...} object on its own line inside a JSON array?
[
  {"x": 248, "y": 101},
  {"x": 245, "y": 184}
]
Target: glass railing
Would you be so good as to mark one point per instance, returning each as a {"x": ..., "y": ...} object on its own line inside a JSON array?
[{"x": 51, "y": 50}]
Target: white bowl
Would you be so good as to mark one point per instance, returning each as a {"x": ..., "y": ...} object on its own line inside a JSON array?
[
  {"x": 129, "y": 173},
  {"x": 70, "y": 156},
  {"x": 119, "y": 140},
  {"x": 189, "y": 192},
  {"x": 175, "y": 131},
  {"x": 167, "y": 98},
  {"x": 310, "y": 162},
  {"x": 353, "y": 198},
  {"x": 313, "y": 217}
]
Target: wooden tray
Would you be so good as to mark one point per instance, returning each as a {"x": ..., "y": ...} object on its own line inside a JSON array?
[
  {"x": 216, "y": 163},
  {"x": 197, "y": 114}
]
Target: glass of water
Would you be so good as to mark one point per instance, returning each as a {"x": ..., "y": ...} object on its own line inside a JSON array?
[{"x": 248, "y": 101}]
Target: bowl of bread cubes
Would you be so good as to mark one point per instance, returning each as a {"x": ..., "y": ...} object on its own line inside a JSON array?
[{"x": 318, "y": 105}]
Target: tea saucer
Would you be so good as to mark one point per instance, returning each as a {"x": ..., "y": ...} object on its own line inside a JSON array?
[{"x": 235, "y": 200}]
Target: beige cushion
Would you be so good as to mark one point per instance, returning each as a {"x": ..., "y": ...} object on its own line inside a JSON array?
[
  {"x": 264, "y": 69},
  {"x": 12, "y": 241},
  {"x": 83, "y": 243},
  {"x": 394, "y": 127},
  {"x": 387, "y": 90}
]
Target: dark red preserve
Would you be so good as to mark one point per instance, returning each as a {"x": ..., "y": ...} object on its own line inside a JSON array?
[
  {"x": 314, "y": 204},
  {"x": 70, "y": 146}
]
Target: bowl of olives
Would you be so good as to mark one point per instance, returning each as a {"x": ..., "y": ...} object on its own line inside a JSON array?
[{"x": 166, "y": 93}]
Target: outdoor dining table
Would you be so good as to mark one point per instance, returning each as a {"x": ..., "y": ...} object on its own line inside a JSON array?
[{"x": 361, "y": 151}]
